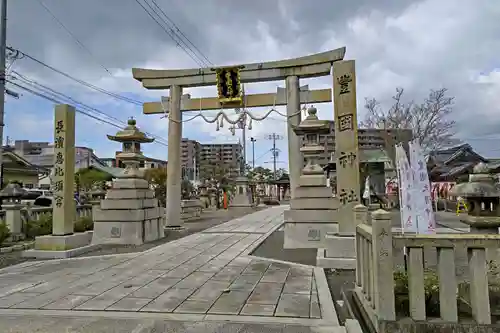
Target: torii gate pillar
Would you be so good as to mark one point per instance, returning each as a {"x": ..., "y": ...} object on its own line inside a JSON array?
[
  {"x": 295, "y": 160},
  {"x": 174, "y": 172}
]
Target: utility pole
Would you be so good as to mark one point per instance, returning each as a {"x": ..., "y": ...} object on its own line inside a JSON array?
[
  {"x": 3, "y": 55},
  {"x": 253, "y": 152},
  {"x": 275, "y": 151}
]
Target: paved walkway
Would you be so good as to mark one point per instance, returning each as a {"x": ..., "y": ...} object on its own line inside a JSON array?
[{"x": 201, "y": 281}]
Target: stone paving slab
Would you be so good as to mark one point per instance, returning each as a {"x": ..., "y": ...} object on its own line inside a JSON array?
[
  {"x": 208, "y": 273},
  {"x": 89, "y": 324}
]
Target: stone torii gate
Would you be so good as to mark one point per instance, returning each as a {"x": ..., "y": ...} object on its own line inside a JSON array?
[{"x": 229, "y": 80}]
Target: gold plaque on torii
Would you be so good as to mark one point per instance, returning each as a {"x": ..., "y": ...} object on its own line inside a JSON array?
[{"x": 229, "y": 89}]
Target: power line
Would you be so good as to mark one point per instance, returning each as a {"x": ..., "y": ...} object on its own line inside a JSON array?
[
  {"x": 54, "y": 17},
  {"x": 58, "y": 94},
  {"x": 180, "y": 31},
  {"x": 86, "y": 84},
  {"x": 171, "y": 33},
  {"x": 57, "y": 97}
]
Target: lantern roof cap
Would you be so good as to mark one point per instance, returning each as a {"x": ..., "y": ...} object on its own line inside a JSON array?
[
  {"x": 311, "y": 124},
  {"x": 130, "y": 133}
]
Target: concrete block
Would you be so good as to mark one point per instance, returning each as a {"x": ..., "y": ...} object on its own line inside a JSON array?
[
  {"x": 340, "y": 246},
  {"x": 307, "y": 235},
  {"x": 62, "y": 243},
  {"x": 134, "y": 233},
  {"x": 335, "y": 263}
]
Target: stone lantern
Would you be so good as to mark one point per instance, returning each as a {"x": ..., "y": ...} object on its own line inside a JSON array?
[
  {"x": 11, "y": 203},
  {"x": 96, "y": 195},
  {"x": 311, "y": 129},
  {"x": 131, "y": 155},
  {"x": 482, "y": 199},
  {"x": 312, "y": 210},
  {"x": 204, "y": 195},
  {"x": 129, "y": 214}
]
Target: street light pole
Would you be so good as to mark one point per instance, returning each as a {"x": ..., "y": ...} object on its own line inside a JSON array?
[{"x": 253, "y": 152}]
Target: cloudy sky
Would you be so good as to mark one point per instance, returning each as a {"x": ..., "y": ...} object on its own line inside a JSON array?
[{"x": 417, "y": 45}]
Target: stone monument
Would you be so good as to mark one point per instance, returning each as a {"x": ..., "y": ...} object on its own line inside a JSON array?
[
  {"x": 242, "y": 197},
  {"x": 482, "y": 199},
  {"x": 63, "y": 242},
  {"x": 340, "y": 251},
  {"x": 130, "y": 213},
  {"x": 313, "y": 209}
]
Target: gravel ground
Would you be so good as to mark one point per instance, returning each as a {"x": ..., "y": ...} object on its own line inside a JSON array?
[{"x": 210, "y": 219}]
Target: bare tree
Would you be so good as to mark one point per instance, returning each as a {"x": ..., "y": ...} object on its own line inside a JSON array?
[{"x": 430, "y": 121}]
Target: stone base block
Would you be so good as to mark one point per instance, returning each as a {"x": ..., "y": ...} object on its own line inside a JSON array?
[
  {"x": 51, "y": 246},
  {"x": 307, "y": 235},
  {"x": 128, "y": 233},
  {"x": 340, "y": 251},
  {"x": 125, "y": 215},
  {"x": 314, "y": 203},
  {"x": 129, "y": 193},
  {"x": 308, "y": 216},
  {"x": 336, "y": 263},
  {"x": 130, "y": 183},
  {"x": 241, "y": 200},
  {"x": 313, "y": 192},
  {"x": 312, "y": 180}
]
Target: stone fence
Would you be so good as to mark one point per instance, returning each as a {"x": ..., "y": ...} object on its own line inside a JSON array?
[
  {"x": 376, "y": 249},
  {"x": 36, "y": 212}
]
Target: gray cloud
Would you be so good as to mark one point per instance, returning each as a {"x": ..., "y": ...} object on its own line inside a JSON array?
[{"x": 415, "y": 44}]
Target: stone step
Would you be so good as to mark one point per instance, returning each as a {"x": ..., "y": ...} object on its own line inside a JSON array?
[
  {"x": 313, "y": 192},
  {"x": 312, "y": 180},
  {"x": 314, "y": 203},
  {"x": 129, "y": 204},
  {"x": 106, "y": 215},
  {"x": 129, "y": 193},
  {"x": 308, "y": 216}
]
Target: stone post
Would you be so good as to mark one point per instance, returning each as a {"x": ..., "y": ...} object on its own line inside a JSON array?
[
  {"x": 174, "y": 159},
  {"x": 13, "y": 217},
  {"x": 63, "y": 177},
  {"x": 346, "y": 141},
  {"x": 361, "y": 215},
  {"x": 295, "y": 161},
  {"x": 383, "y": 280}
]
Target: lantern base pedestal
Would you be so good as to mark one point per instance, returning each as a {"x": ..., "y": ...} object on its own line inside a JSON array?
[
  {"x": 59, "y": 247},
  {"x": 482, "y": 224}
]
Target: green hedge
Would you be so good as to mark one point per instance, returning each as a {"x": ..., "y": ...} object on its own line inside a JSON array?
[{"x": 4, "y": 232}]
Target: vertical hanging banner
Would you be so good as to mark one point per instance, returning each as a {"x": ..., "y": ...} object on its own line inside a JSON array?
[
  {"x": 423, "y": 200},
  {"x": 406, "y": 200}
]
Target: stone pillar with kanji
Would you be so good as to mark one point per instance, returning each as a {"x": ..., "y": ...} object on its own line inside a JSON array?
[{"x": 63, "y": 174}]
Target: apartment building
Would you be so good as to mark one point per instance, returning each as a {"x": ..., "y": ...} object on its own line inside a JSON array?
[
  {"x": 230, "y": 154},
  {"x": 190, "y": 158},
  {"x": 369, "y": 139},
  {"x": 42, "y": 154}
]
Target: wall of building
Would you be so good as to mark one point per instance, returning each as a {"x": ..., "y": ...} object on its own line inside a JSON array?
[{"x": 22, "y": 177}]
